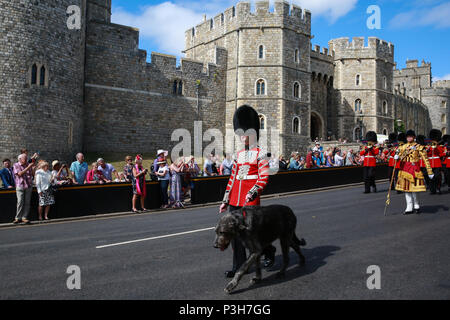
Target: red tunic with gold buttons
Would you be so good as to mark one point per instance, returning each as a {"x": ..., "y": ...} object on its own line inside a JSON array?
[
  {"x": 250, "y": 175},
  {"x": 435, "y": 153},
  {"x": 370, "y": 154},
  {"x": 390, "y": 153}
]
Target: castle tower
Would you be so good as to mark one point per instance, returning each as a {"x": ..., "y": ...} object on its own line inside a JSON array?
[
  {"x": 41, "y": 71},
  {"x": 413, "y": 78},
  {"x": 364, "y": 80},
  {"x": 268, "y": 66}
]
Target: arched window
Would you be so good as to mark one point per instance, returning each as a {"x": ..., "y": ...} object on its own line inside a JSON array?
[
  {"x": 262, "y": 121},
  {"x": 444, "y": 130},
  {"x": 222, "y": 19},
  {"x": 385, "y": 107},
  {"x": 34, "y": 74},
  {"x": 261, "y": 52},
  {"x": 385, "y": 132},
  {"x": 296, "y": 125},
  {"x": 358, "y": 80},
  {"x": 297, "y": 56},
  {"x": 180, "y": 88},
  {"x": 297, "y": 91},
  {"x": 211, "y": 24},
  {"x": 443, "y": 118},
  {"x": 385, "y": 83},
  {"x": 42, "y": 76},
  {"x": 175, "y": 87},
  {"x": 233, "y": 12},
  {"x": 358, "y": 105},
  {"x": 260, "y": 87}
]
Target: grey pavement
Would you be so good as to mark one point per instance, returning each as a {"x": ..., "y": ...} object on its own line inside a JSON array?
[{"x": 345, "y": 230}]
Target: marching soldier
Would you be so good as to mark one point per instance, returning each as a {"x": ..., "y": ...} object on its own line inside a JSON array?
[
  {"x": 249, "y": 177},
  {"x": 370, "y": 162},
  {"x": 435, "y": 153},
  {"x": 389, "y": 153},
  {"x": 410, "y": 177}
]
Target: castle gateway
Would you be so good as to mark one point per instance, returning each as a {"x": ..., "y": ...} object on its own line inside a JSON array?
[{"x": 92, "y": 89}]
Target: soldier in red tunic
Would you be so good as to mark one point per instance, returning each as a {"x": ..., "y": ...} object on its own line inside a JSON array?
[
  {"x": 389, "y": 154},
  {"x": 435, "y": 154},
  {"x": 249, "y": 177},
  {"x": 370, "y": 162}
]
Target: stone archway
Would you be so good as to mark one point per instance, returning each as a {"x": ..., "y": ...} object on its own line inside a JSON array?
[{"x": 316, "y": 127}]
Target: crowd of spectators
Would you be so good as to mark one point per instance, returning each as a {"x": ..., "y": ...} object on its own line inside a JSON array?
[{"x": 175, "y": 177}]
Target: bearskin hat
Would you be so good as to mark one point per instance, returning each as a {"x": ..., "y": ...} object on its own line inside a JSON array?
[
  {"x": 402, "y": 137},
  {"x": 371, "y": 136},
  {"x": 393, "y": 137},
  {"x": 421, "y": 140},
  {"x": 446, "y": 139},
  {"x": 435, "y": 135},
  {"x": 246, "y": 118},
  {"x": 410, "y": 133}
]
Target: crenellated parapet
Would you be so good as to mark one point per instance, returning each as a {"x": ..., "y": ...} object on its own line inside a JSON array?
[
  {"x": 376, "y": 48},
  {"x": 323, "y": 54},
  {"x": 242, "y": 16}
]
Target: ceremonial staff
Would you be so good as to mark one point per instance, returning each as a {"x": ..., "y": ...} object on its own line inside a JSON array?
[{"x": 388, "y": 200}]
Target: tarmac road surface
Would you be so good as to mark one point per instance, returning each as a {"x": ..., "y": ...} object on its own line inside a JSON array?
[{"x": 171, "y": 256}]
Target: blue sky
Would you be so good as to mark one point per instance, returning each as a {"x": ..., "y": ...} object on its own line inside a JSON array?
[{"x": 418, "y": 29}]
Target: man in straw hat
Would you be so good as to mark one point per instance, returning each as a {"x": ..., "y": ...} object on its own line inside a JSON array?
[{"x": 249, "y": 177}]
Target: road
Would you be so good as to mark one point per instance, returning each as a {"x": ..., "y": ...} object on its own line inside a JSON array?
[{"x": 345, "y": 230}]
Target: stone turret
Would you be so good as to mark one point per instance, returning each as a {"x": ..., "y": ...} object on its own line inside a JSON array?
[{"x": 41, "y": 69}]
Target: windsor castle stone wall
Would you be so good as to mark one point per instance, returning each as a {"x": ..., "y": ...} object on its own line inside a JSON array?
[{"x": 100, "y": 94}]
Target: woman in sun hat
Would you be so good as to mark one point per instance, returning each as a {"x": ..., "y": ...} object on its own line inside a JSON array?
[
  {"x": 159, "y": 154},
  {"x": 163, "y": 174}
]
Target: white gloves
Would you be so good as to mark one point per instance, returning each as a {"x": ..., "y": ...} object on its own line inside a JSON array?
[
  {"x": 396, "y": 157},
  {"x": 431, "y": 176}
]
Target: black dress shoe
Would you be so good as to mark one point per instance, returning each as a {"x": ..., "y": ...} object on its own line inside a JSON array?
[
  {"x": 230, "y": 274},
  {"x": 374, "y": 189},
  {"x": 417, "y": 211},
  {"x": 365, "y": 192},
  {"x": 408, "y": 212}
]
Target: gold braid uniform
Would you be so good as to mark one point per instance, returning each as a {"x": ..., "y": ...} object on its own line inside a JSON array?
[{"x": 410, "y": 177}]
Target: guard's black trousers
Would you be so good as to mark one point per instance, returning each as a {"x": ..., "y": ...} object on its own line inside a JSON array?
[
  {"x": 446, "y": 176},
  {"x": 394, "y": 180},
  {"x": 239, "y": 254},
  {"x": 369, "y": 178},
  {"x": 435, "y": 183},
  {"x": 425, "y": 175}
]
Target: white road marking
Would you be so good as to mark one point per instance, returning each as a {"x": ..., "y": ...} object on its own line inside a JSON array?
[{"x": 153, "y": 238}]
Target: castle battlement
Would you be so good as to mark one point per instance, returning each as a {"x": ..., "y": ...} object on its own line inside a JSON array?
[
  {"x": 441, "y": 84},
  {"x": 323, "y": 54},
  {"x": 194, "y": 68},
  {"x": 242, "y": 16},
  {"x": 376, "y": 48}
]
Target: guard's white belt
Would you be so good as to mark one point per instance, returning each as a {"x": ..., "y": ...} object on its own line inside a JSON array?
[
  {"x": 434, "y": 158},
  {"x": 370, "y": 156},
  {"x": 254, "y": 177}
]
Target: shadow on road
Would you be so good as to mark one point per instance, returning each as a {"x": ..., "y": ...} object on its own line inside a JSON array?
[
  {"x": 315, "y": 258},
  {"x": 433, "y": 209}
]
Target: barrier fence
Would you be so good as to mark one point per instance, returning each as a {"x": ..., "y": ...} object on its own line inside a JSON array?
[{"x": 77, "y": 201}]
